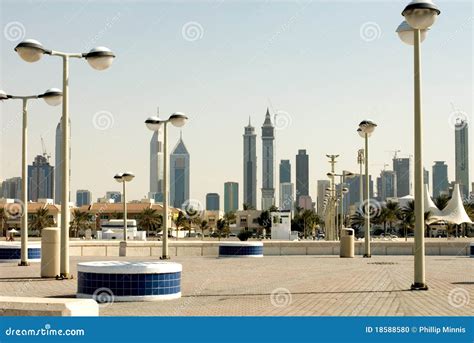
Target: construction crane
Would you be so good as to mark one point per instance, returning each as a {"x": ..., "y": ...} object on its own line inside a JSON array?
[
  {"x": 45, "y": 154},
  {"x": 395, "y": 152}
]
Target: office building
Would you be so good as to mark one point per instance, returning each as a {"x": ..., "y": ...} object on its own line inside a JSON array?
[{"x": 231, "y": 196}]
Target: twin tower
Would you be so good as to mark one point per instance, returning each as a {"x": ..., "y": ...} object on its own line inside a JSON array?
[{"x": 250, "y": 164}]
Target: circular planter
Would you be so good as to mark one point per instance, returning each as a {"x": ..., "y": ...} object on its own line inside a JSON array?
[
  {"x": 241, "y": 249},
  {"x": 11, "y": 252},
  {"x": 110, "y": 281}
]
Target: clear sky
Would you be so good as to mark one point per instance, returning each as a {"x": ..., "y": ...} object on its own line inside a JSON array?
[{"x": 323, "y": 65}]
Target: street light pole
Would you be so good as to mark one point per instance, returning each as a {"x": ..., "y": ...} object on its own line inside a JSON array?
[
  {"x": 367, "y": 205},
  {"x": 99, "y": 58},
  {"x": 52, "y": 97},
  {"x": 419, "y": 15}
]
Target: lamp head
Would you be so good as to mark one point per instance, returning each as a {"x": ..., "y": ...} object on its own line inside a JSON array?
[
  {"x": 52, "y": 96},
  {"x": 407, "y": 33},
  {"x": 99, "y": 58},
  {"x": 128, "y": 176},
  {"x": 3, "y": 95},
  {"x": 330, "y": 174},
  {"x": 178, "y": 119},
  {"x": 118, "y": 177},
  {"x": 31, "y": 50},
  {"x": 153, "y": 123},
  {"x": 421, "y": 14},
  {"x": 367, "y": 126}
]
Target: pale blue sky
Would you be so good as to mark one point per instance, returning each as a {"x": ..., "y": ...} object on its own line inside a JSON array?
[{"x": 308, "y": 59}]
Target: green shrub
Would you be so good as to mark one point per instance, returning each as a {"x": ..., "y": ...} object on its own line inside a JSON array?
[{"x": 244, "y": 235}]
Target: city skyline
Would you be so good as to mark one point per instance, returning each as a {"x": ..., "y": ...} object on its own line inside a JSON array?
[{"x": 303, "y": 124}]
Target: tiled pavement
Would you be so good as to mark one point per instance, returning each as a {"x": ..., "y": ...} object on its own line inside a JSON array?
[{"x": 285, "y": 285}]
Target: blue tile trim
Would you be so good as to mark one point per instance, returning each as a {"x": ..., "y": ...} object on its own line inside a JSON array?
[
  {"x": 130, "y": 284},
  {"x": 15, "y": 253},
  {"x": 240, "y": 250}
]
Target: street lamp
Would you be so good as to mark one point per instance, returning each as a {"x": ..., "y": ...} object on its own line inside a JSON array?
[
  {"x": 343, "y": 190},
  {"x": 365, "y": 130},
  {"x": 99, "y": 58},
  {"x": 154, "y": 123},
  {"x": 52, "y": 97},
  {"x": 124, "y": 178},
  {"x": 420, "y": 15}
]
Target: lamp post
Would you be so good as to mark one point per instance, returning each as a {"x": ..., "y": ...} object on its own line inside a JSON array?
[
  {"x": 154, "y": 123},
  {"x": 124, "y": 178},
  {"x": 343, "y": 190},
  {"x": 365, "y": 130},
  {"x": 332, "y": 161},
  {"x": 52, "y": 97},
  {"x": 99, "y": 58},
  {"x": 360, "y": 161},
  {"x": 420, "y": 15}
]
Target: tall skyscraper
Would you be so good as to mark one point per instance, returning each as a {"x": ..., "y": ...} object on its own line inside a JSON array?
[
  {"x": 426, "y": 177},
  {"x": 83, "y": 197},
  {"x": 11, "y": 188},
  {"x": 461, "y": 145},
  {"x": 179, "y": 175},
  {"x": 402, "y": 167},
  {"x": 114, "y": 195},
  {"x": 231, "y": 196},
  {"x": 353, "y": 196},
  {"x": 250, "y": 166},
  {"x": 212, "y": 202},
  {"x": 58, "y": 177},
  {"x": 322, "y": 185},
  {"x": 40, "y": 179},
  {"x": 440, "y": 178},
  {"x": 302, "y": 174},
  {"x": 268, "y": 185},
  {"x": 387, "y": 187},
  {"x": 287, "y": 198},
  {"x": 156, "y": 168},
  {"x": 285, "y": 171}
]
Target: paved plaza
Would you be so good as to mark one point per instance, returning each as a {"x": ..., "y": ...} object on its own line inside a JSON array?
[{"x": 284, "y": 286}]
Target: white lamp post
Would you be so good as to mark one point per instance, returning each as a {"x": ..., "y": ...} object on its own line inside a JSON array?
[
  {"x": 154, "y": 123},
  {"x": 52, "y": 97},
  {"x": 365, "y": 130},
  {"x": 99, "y": 58},
  {"x": 124, "y": 178},
  {"x": 420, "y": 15}
]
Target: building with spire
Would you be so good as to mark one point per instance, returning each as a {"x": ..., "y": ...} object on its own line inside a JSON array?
[
  {"x": 250, "y": 166},
  {"x": 179, "y": 174},
  {"x": 268, "y": 185},
  {"x": 156, "y": 168},
  {"x": 461, "y": 146},
  {"x": 58, "y": 176}
]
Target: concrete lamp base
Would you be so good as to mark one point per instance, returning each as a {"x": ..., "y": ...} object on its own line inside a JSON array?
[{"x": 419, "y": 287}]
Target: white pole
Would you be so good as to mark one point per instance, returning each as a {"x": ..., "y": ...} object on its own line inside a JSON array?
[
  {"x": 64, "y": 270},
  {"x": 342, "y": 203},
  {"x": 124, "y": 212},
  {"x": 24, "y": 187},
  {"x": 367, "y": 199},
  {"x": 165, "y": 255},
  {"x": 419, "y": 283}
]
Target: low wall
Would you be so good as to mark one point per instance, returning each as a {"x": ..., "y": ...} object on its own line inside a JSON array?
[
  {"x": 30, "y": 306},
  {"x": 270, "y": 248}
]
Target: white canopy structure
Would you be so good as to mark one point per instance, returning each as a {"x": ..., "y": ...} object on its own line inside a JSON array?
[{"x": 454, "y": 211}]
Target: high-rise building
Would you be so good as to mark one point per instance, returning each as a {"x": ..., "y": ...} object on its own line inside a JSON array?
[
  {"x": 156, "y": 168},
  {"x": 231, "y": 196},
  {"x": 40, "y": 179},
  {"x": 402, "y": 168},
  {"x": 440, "y": 178},
  {"x": 286, "y": 196},
  {"x": 58, "y": 177},
  {"x": 302, "y": 174},
  {"x": 305, "y": 202},
  {"x": 83, "y": 197},
  {"x": 113, "y": 195},
  {"x": 461, "y": 145},
  {"x": 268, "y": 185},
  {"x": 426, "y": 177},
  {"x": 285, "y": 171},
  {"x": 250, "y": 166},
  {"x": 353, "y": 196},
  {"x": 322, "y": 185},
  {"x": 387, "y": 185},
  {"x": 179, "y": 174},
  {"x": 11, "y": 188},
  {"x": 212, "y": 202}
]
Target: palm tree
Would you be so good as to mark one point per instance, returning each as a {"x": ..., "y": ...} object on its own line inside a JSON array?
[
  {"x": 441, "y": 201},
  {"x": 392, "y": 213},
  {"x": 204, "y": 226},
  {"x": 408, "y": 217},
  {"x": 3, "y": 221},
  {"x": 80, "y": 222},
  {"x": 222, "y": 227},
  {"x": 149, "y": 219},
  {"x": 230, "y": 217},
  {"x": 248, "y": 207},
  {"x": 180, "y": 222},
  {"x": 357, "y": 221},
  {"x": 41, "y": 219}
]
